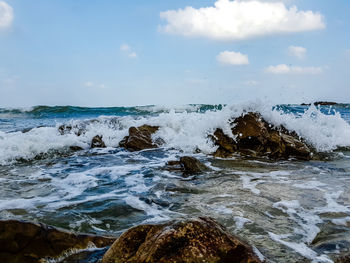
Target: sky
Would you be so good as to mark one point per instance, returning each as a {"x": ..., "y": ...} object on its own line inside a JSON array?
[{"x": 127, "y": 53}]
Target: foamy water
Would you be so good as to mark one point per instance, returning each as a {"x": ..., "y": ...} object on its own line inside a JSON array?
[{"x": 290, "y": 211}]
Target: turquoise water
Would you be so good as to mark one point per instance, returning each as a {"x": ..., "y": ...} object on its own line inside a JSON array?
[{"x": 291, "y": 211}]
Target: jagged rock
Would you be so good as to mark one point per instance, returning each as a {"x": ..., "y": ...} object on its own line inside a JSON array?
[
  {"x": 187, "y": 165},
  {"x": 255, "y": 137},
  {"x": 140, "y": 138},
  {"x": 97, "y": 142},
  {"x": 193, "y": 240},
  {"x": 24, "y": 242}
]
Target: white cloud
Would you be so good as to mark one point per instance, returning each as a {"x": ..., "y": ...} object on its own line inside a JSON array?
[
  {"x": 125, "y": 47},
  {"x": 132, "y": 55},
  {"x": 6, "y": 15},
  {"x": 285, "y": 69},
  {"x": 298, "y": 52},
  {"x": 128, "y": 50},
  {"x": 232, "y": 58},
  {"x": 236, "y": 20}
]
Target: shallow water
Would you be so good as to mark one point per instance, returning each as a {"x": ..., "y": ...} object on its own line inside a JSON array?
[{"x": 291, "y": 211}]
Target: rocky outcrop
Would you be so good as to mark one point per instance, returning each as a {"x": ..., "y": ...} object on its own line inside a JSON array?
[
  {"x": 255, "y": 137},
  {"x": 187, "y": 165},
  {"x": 97, "y": 142},
  {"x": 193, "y": 240},
  {"x": 140, "y": 138},
  {"x": 28, "y": 242}
]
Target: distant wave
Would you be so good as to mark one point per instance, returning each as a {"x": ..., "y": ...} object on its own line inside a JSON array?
[{"x": 73, "y": 111}]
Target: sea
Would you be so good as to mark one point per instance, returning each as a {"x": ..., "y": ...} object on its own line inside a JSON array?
[{"x": 288, "y": 210}]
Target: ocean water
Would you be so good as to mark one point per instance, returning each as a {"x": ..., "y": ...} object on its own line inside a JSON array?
[{"x": 290, "y": 211}]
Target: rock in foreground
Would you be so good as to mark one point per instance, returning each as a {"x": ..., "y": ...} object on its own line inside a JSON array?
[
  {"x": 256, "y": 137},
  {"x": 194, "y": 240},
  {"x": 139, "y": 138},
  {"x": 24, "y": 242}
]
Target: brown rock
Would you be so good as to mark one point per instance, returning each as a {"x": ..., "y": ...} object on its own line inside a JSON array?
[
  {"x": 345, "y": 258},
  {"x": 255, "y": 137},
  {"x": 139, "y": 138},
  {"x": 191, "y": 165},
  {"x": 24, "y": 242},
  {"x": 187, "y": 165},
  {"x": 97, "y": 142},
  {"x": 193, "y": 240}
]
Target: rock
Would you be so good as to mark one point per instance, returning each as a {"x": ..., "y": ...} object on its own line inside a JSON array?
[
  {"x": 97, "y": 142},
  {"x": 344, "y": 258},
  {"x": 193, "y": 240},
  {"x": 67, "y": 129},
  {"x": 255, "y": 137},
  {"x": 140, "y": 138},
  {"x": 187, "y": 165},
  {"x": 28, "y": 242},
  {"x": 325, "y": 103},
  {"x": 75, "y": 148},
  {"x": 191, "y": 165}
]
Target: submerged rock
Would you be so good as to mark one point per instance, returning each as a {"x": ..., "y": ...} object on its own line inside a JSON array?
[
  {"x": 187, "y": 165},
  {"x": 140, "y": 138},
  {"x": 97, "y": 142},
  {"x": 28, "y": 242},
  {"x": 66, "y": 129},
  {"x": 193, "y": 240},
  {"x": 255, "y": 137}
]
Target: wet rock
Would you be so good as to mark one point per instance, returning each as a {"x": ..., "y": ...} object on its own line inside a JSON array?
[
  {"x": 193, "y": 240},
  {"x": 345, "y": 258},
  {"x": 140, "y": 138},
  {"x": 67, "y": 129},
  {"x": 97, "y": 142},
  {"x": 75, "y": 148},
  {"x": 187, "y": 165},
  {"x": 191, "y": 165},
  {"x": 255, "y": 137},
  {"x": 28, "y": 242}
]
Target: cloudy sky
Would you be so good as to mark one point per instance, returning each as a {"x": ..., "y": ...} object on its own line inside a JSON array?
[{"x": 122, "y": 53}]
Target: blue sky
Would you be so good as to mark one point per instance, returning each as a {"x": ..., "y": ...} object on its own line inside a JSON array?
[{"x": 122, "y": 53}]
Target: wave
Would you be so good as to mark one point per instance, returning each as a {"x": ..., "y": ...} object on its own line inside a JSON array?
[
  {"x": 186, "y": 130},
  {"x": 74, "y": 111}
]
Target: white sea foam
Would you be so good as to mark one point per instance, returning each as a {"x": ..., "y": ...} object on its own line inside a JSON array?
[{"x": 183, "y": 130}]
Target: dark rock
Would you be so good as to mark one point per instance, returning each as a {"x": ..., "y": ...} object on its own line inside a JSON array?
[
  {"x": 140, "y": 138},
  {"x": 75, "y": 148},
  {"x": 255, "y": 137},
  {"x": 97, "y": 142},
  {"x": 325, "y": 103},
  {"x": 28, "y": 242},
  {"x": 193, "y": 240},
  {"x": 320, "y": 103}
]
